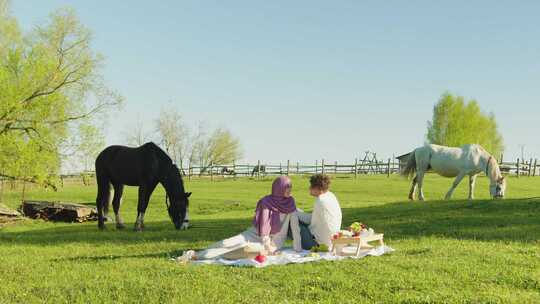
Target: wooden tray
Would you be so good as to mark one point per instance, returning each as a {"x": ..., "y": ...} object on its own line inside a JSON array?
[{"x": 361, "y": 242}]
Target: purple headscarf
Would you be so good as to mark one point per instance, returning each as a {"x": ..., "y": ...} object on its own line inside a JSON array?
[{"x": 266, "y": 219}]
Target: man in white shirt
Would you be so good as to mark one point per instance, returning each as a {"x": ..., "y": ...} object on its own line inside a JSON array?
[{"x": 325, "y": 220}]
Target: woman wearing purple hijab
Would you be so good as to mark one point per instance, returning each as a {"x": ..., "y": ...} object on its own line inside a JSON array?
[{"x": 274, "y": 214}]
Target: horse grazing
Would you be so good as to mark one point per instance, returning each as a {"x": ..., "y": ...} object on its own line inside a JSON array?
[
  {"x": 454, "y": 162},
  {"x": 258, "y": 169},
  {"x": 227, "y": 171},
  {"x": 145, "y": 166}
]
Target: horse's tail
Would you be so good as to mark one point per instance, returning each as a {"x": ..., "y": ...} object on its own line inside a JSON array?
[{"x": 410, "y": 168}]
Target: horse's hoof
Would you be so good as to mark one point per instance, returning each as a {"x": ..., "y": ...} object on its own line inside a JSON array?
[
  {"x": 102, "y": 227},
  {"x": 120, "y": 226}
]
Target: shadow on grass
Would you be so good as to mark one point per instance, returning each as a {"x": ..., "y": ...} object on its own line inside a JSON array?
[
  {"x": 516, "y": 220},
  {"x": 513, "y": 220},
  {"x": 163, "y": 231}
]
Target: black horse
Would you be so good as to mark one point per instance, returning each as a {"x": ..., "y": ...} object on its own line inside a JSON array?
[
  {"x": 145, "y": 166},
  {"x": 258, "y": 169}
]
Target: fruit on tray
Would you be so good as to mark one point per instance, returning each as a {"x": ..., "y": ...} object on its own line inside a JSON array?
[{"x": 356, "y": 227}]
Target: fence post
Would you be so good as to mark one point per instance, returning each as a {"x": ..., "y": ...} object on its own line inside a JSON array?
[
  {"x": 288, "y": 166},
  {"x": 234, "y": 169},
  {"x": 211, "y": 171},
  {"x": 258, "y": 169},
  {"x": 335, "y": 167},
  {"x": 322, "y": 166},
  {"x": 280, "y": 169},
  {"x": 534, "y": 168},
  {"x": 316, "y": 166},
  {"x": 388, "y": 170},
  {"x": 297, "y": 167},
  {"x": 356, "y": 167},
  {"x": 517, "y": 167},
  {"x": 501, "y": 160}
]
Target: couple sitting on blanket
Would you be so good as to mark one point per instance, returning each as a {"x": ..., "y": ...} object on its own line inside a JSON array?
[{"x": 277, "y": 217}]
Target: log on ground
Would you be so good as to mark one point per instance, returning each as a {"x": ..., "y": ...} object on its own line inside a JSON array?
[{"x": 58, "y": 211}]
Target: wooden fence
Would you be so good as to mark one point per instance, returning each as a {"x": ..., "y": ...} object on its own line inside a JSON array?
[
  {"x": 521, "y": 167},
  {"x": 530, "y": 167},
  {"x": 391, "y": 166}
]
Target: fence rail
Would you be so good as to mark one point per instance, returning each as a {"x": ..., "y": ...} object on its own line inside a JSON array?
[
  {"x": 289, "y": 168},
  {"x": 530, "y": 167}
]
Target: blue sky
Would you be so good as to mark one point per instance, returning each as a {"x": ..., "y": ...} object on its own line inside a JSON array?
[{"x": 305, "y": 80}]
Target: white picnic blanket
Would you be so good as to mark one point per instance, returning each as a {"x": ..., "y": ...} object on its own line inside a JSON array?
[{"x": 289, "y": 256}]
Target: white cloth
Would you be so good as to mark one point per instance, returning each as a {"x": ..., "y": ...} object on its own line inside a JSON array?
[
  {"x": 325, "y": 220},
  {"x": 271, "y": 243},
  {"x": 289, "y": 256}
]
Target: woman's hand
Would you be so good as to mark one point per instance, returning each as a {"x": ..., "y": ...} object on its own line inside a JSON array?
[{"x": 269, "y": 245}]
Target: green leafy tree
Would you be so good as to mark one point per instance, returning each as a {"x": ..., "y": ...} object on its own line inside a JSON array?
[
  {"x": 457, "y": 122},
  {"x": 50, "y": 85},
  {"x": 219, "y": 148}
]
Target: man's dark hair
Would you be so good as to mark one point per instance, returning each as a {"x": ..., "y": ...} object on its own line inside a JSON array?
[{"x": 320, "y": 181}]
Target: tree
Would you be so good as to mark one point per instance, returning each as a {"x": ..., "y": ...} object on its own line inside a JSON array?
[
  {"x": 136, "y": 134},
  {"x": 457, "y": 122},
  {"x": 174, "y": 134},
  {"x": 49, "y": 85},
  {"x": 220, "y": 148},
  {"x": 92, "y": 141},
  {"x": 195, "y": 147}
]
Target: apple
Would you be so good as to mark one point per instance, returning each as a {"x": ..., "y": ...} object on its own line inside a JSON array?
[{"x": 260, "y": 258}]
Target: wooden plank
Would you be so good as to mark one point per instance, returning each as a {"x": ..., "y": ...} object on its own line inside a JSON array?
[{"x": 8, "y": 212}]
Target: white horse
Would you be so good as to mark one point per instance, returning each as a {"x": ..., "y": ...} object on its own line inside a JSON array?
[{"x": 454, "y": 162}]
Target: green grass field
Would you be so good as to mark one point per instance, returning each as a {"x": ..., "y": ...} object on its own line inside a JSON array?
[{"x": 458, "y": 251}]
